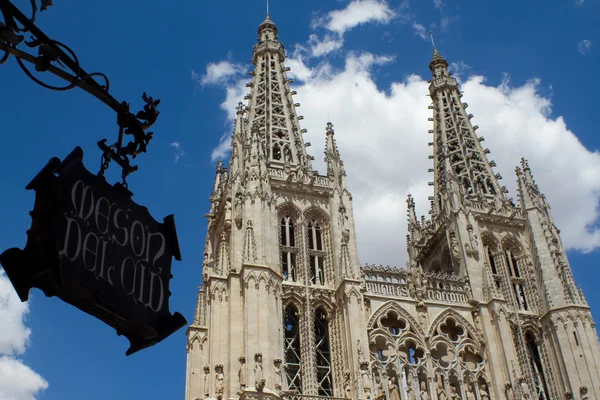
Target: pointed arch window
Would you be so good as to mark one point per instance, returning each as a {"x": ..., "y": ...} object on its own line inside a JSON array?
[
  {"x": 323, "y": 354},
  {"x": 288, "y": 249},
  {"x": 276, "y": 151},
  {"x": 541, "y": 387},
  {"x": 491, "y": 261},
  {"x": 512, "y": 263},
  {"x": 291, "y": 350},
  {"x": 316, "y": 253}
]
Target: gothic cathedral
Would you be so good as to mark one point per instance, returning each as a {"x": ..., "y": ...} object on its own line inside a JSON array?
[{"x": 486, "y": 308}]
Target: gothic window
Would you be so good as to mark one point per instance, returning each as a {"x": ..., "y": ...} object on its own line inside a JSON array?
[
  {"x": 287, "y": 154},
  {"x": 512, "y": 263},
  {"x": 467, "y": 185},
  {"x": 291, "y": 326},
  {"x": 288, "y": 249},
  {"x": 323, "y": 354},
  {"x": 276, "y": 152},
  {"x": 541, "y": 389},
  {"x": 490, "y": 186},
  {"x": 316, "y": 253},
  {"x": 491, "y": 261}
]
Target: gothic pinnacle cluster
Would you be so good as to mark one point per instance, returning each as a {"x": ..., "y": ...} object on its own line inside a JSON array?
[{"x": 487, "y": 309}]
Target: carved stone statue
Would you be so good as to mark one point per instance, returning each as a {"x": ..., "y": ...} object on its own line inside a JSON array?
[
  {"x": 361, "y": 355},
  {"x": 470, "y": 394},
  {"x": 242, "y": 373},
  {"x": 525, "y": 393},
  {"x": 508, "y": 390},
  {"x": 483, "y": 392},
  {"x": 424, "y": 394},
  {"x": 366, "y": 380},
  {"x": 454, "y": 249},
  {"x": 238, "y": 211},
  {"x": 347, "y": 386},
  {"x": 278, "y": 379},
  {"x": 219, "y": 379},
  {"x": 206, "y": 372},
  {"x": 453, "y": 394},
  {"x": 441, "y": 392},
  {"x": 259, "y": 382},
  {"x": 410, "y": 393},
  {"x": 393, "y": 388}
]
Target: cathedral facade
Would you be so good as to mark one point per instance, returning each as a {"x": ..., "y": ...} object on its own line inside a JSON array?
[{"x": 486, "y": 307}]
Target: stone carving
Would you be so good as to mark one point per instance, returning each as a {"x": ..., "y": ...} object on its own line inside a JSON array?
[
  {"x": 219, "y": 381},
  {"x": 584, "y": 393},
  {"x": 508, "y": 390},
  {"x": 238, "y": 211},
  {"x": 472, "y": 248},
  {"x": 359, "y": 350},
  {"x": 410, "y": 393},
  {"x": 424, "y": 394},
  {"x": 483, "y": 392},
  {"x": 278, "y": 379},
  {"x": 454, "y": 248},
  {"x": 259, "y": 381},
  {"x": 441, "y": 392},
  {"x": 242, "y": 373},
  {"x": 366, "y": 378},
  {"x": 347, "y": 385},
  {"x": 453, "y": 394},
  {"x": 470, "y": 395},
  {"x": 393, "y": 389},
  {"x": 206, "y": 372},
  {"x": 525, "y": 393}
]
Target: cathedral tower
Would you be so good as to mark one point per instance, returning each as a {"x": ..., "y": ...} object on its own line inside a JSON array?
[
  {"x": 280, "y": 307},
  {"x": 487, "y": 307}
]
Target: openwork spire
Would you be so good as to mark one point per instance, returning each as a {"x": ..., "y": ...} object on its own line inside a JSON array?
[
  {"x": 271, "y": 108},
  {"x": 457, "y": 149}
]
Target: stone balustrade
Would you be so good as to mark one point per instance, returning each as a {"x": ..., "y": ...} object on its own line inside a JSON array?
[{"x": 393, "y": 282}]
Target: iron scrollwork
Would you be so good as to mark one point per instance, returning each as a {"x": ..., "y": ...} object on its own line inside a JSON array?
[{"x": 58, "y": 59}]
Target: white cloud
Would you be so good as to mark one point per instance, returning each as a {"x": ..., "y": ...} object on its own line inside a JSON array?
[
  {"x": 178, "y": 148},
  {"x": 17, "y": 381},
  {"x": 584, "y": 46},
  {"x": 320, "y": 47},
  {"x": 579, "y": 2},
  {"x": 217, "y": 73},
  {"x": 438, "y": 4},
  {"x": 420, "y": 31},
  {"x": 382, "y": 135},
  {"x": 358, "y": 12}
]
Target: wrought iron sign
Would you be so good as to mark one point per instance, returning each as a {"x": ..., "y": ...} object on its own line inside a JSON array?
[{"x": 89, "y": 243}]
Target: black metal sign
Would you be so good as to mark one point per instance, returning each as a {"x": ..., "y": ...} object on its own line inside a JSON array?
[{"x": 91, "y": 245}]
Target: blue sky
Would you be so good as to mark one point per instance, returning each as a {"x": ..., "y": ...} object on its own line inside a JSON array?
[{"x": 529, "y": 72}]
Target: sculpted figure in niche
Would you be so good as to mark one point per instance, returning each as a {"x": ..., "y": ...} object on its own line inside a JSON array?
[
  {"x": 454, "y": 247},
  {"x": 441, "y": 392},
  {"x": 366, "y": 381},
  {"x": 278, "y": 380},
  {"x": 393, "y": 388},
  {"x": 424, "y": 393},
  {"x": 242, "y": 373},
  {"x": 347, "y": 387},
  {"x": 508, "y": 390},
  {"x": 470, "y": 394},
  {"x": 483, "y": 393},
  {"x": 453, "y": 394},
  {"x": 258, "y": 372},
  {"x": 228, "y": 210},
  {"x": 219, "y": 377},
  {"x": 410, "y": 393}
]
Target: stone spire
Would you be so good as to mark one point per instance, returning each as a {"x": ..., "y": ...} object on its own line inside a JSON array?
[
  {"x": 271, "y": 108},
  {"x": 457, "y": 151},
  {"x": 335, "y": 166}
]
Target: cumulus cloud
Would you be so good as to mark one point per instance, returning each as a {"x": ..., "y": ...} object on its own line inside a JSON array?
[
  {"x": 217, "y": 73},
  {"x": 584, "y": 46},
  {"x": 382, "y": 135},
  {"x": 17, "y": 381},
  {"x": 357, "y": 12}
]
